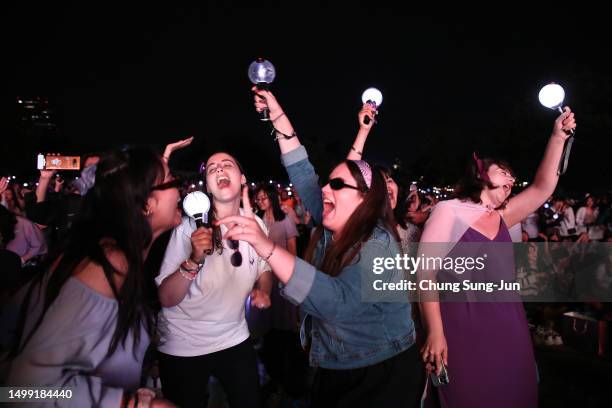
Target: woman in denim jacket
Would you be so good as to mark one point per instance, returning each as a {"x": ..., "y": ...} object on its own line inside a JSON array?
[{"x": 364, "y": 350}]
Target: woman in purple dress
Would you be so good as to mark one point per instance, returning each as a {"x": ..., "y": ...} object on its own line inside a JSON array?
[{"x": 486, "y": 345}]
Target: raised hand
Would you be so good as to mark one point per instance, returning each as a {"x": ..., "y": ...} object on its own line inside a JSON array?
[
  {"x": 172, "y": 147},
  {"x": 368, "y": 110},
  {"x": 265, "y": 99},
  {"x": 564, "y": 124}
]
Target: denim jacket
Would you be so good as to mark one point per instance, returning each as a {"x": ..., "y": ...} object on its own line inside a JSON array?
[{"x": 345, "y": 331}]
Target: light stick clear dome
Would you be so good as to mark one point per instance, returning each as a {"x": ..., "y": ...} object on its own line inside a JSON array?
[{"x": 261, "y": 70}]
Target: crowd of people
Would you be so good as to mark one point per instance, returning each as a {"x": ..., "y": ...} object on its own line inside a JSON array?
[{"x": 266, "y": 299}]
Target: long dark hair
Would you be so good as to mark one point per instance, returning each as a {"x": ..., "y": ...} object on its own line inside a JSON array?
[
  {"x": 15, "y": 204},
  {"x": 474, "y": 181},
  {"x": 272, "y": 195},
  {"x": 112, "y": 210},
  {"x": 374, "y": 210},
  {"x": 399, "y": 212}
]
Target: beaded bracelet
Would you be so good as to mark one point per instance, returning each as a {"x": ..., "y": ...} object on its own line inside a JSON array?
[
  {"x": 185, "y": 267},
  {"x": 188, "y": 275}
]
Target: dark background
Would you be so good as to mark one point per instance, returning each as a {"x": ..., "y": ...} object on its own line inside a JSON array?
[{"x": 451, "y": 84}]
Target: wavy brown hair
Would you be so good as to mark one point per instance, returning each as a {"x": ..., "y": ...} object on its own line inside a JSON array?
[{"x": 374, "y": 210}]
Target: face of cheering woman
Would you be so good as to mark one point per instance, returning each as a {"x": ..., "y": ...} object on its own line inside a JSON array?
[{"x": 339, "y": 205}]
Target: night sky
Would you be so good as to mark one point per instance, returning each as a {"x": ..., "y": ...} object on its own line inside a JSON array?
[{"x": 145, "y": 74}]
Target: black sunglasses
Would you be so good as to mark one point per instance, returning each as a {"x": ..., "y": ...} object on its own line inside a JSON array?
[
  {"x": 175, "y": 183},
  {"x": 236, "y": 258},
  {"x": 338, "y": 184}
]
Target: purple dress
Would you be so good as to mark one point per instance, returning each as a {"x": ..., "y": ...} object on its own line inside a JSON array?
[{"x": 490, "y": 354}]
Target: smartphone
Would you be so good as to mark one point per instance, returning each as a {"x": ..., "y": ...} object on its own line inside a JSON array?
[
  {"x": 58, "y": 162},
  {"x": 440, "y": 380}
]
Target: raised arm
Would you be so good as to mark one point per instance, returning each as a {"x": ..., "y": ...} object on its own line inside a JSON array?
[
  {"x": 172, "y": 147},
  {"x": 294, "y": 156},
  {"x": 356, "y": 151},
  {"x": 43, "y": 184},
  {"x": 546, "y": 178},
  {"x": 287, "y": 140}
]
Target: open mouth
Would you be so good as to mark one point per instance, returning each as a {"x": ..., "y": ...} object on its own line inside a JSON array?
[
  {"x": 223, "y": 182},
  {"x": 328, "y": 207},
  {"x": 507, "y": 188}
]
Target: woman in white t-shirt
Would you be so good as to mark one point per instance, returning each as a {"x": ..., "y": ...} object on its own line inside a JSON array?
[
  {"x": 202, "y": 325},
  {"x": 585, "y": 219}
]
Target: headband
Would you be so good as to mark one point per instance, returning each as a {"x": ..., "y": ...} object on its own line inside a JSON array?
[{"x": 366, "y": 171}]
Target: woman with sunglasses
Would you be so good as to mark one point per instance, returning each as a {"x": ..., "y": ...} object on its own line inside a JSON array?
[
  {"x": 482, "y": 337},
  {"x": 364, "y": 352},
  {"x": 87, "y": 319},
  {"x": 203, "y": 284}
]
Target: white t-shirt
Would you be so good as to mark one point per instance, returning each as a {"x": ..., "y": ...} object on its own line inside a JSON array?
[
  {"x": 530, "y": 225},
  {"x": 211, "y": 317},
  {"x": 568, "y": 222}
]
